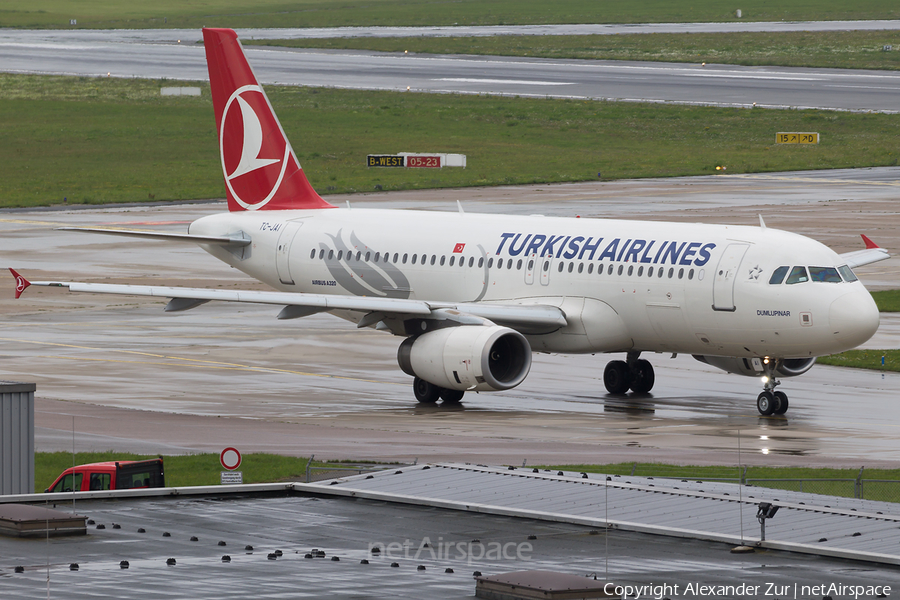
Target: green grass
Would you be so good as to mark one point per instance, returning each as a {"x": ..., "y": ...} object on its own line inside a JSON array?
[
  {"x": 331, "y": 13},
  {"x": 204, "y": 469},
  {"x": 839, "y": 49},
  {"x": 887, "y": 300},
  {"x": 187, "y": 470},
  {"x": 117, "y": 140},
  {"x": 864, "y": 359},
  {"x": 103, "y": 140}
]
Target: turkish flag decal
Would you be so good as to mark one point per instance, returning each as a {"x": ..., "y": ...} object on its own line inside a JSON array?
[{"x": 458, "y": 248}]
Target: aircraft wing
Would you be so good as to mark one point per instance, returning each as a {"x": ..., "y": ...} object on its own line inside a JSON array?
[
  {"x": 238, "y": 239},
  {"x": 525, "y": 316},
  {"x": 872, "y": 253}
]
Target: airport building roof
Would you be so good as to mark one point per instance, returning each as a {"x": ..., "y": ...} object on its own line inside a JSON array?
[
  {"x": 472, "y": 519},
  {"x": 725, "y": 512}
]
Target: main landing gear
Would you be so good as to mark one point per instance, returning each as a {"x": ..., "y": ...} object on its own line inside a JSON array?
[
  {"x": 770, "y": 402},
  {"x": 633, "y": 373},
  {"x": 428, "y": 393}
]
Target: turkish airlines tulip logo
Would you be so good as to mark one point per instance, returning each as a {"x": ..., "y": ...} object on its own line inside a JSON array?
[{"x": 253, "y": 148}]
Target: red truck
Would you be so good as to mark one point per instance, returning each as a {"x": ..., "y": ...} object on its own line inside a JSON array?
[{"x": 113, "y": 475}]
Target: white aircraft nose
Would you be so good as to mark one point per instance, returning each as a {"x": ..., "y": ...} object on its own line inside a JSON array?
[{"x": 854, "y": 318}]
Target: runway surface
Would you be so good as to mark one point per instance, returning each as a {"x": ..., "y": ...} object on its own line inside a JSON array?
[
  {"x": 140, "y": 54},
  {"x": 129, "y": 377},
  {"x": 190, "y": 36}
]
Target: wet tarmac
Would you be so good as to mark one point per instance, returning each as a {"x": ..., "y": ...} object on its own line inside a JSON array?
[{"x": 130, "y": 377}]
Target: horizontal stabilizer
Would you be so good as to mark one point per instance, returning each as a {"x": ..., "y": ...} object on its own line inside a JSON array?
[{"x": 241, "y": 239}]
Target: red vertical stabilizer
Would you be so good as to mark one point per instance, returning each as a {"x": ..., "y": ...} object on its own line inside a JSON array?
[{"x": 260, "y": 169}]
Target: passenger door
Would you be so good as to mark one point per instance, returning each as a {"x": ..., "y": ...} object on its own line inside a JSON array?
[
  {"x": 726, "y": 274},
  {"x": 283, "y": 252}
]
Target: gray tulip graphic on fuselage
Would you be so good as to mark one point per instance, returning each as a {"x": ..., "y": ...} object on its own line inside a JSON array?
[{"x": 362, "y": 277}]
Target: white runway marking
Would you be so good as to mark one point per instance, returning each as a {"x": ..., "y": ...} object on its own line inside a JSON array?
[{"x": 503, "y": 81}]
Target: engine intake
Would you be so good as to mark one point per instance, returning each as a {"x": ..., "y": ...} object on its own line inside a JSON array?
[
  {"x": 791, "y": 367},
  {"x": 483, "y": 359}
]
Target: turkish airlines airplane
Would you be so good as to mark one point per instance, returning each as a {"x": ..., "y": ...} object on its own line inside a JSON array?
[{"x": 474, "y": 295}]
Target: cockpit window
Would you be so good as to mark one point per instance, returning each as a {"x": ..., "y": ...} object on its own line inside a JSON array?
[
  {"x": 847, "y": 273},
  {"x": 798, "y": 275},
  {"x": 824, "y": 274},
  {"x": 778, "y": 276}
]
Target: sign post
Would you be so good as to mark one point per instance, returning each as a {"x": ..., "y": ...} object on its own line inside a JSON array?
[
  {"x": 230, "y": 459},
  {"x": 796, "y": 137}
]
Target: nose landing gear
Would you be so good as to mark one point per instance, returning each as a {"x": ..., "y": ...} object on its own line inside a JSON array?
[{"x": 770, "y": 402}]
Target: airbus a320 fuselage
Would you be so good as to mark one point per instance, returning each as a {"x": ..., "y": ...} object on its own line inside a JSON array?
[{"x": 474, "y": 295}]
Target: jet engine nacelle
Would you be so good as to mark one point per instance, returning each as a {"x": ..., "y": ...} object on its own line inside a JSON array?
[
  {"x": 784, "y": 367},
  {"x": 468, "y": 357},
  {"x": 791, "y": 367}
]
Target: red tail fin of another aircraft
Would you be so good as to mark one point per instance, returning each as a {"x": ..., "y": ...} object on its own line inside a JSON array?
[{"x": 260, "y": 169}]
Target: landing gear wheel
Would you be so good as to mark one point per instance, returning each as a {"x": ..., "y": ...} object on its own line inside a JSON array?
[
  {"x": 642, "y": 377},
  {"x": 616, "y": 377},
  {"x": 782, "y": 401},
  {"x": 765, "y": 403},
  {"x": 452, "y": 396},
  {"x": 426, "y": 392}
]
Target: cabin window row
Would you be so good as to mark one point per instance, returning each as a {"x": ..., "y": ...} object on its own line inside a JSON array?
[
  {"x": 794, "y": 275},
  {"x": 629, "y": 271},
  {"x": 397, "y": 259},
  {"x": 508, "y": 264}
]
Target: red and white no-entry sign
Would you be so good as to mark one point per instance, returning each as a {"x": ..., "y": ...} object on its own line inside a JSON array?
[{"x": 230, "y": 458}]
